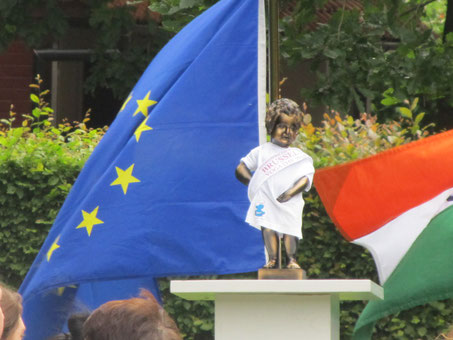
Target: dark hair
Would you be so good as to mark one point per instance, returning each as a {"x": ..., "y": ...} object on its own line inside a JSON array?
[
  {"x": 133, "y": 319},
  {"x": 279, "y": 107},
  {"x": 11, "y": 303},
  {"x": 61, "y": 336},
  {"x": 75, "y": 326}
]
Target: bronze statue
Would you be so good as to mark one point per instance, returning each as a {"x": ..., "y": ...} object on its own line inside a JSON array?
[{"x": 280, "y": 174}]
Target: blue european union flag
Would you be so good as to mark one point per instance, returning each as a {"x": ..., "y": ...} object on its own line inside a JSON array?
[{"x": 158, "y": 196}]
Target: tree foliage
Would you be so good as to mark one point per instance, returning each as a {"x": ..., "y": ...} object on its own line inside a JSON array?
[
  {"x": 123, "y": 46},
  {"x": 383, "y": 46},
  {"x": 387, "y": 44},
  {"x": 178, "y": 13}
]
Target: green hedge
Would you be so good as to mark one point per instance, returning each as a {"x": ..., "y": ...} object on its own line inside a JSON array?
[{"x": 39, "y": 162}]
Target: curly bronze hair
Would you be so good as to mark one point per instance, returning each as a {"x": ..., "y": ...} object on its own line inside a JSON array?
[{"x": 278, "y": 107}]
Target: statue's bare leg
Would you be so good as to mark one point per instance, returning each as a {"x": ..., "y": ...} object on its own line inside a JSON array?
[
  {"x": 271, "y": 240},
  {"x": 291, "y": 243}
]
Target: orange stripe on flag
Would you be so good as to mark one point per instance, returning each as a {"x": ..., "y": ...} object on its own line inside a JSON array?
[{"x": 363, "y": 195}]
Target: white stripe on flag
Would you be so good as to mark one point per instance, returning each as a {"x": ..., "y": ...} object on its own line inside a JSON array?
[{"x": 389, "y": 244}]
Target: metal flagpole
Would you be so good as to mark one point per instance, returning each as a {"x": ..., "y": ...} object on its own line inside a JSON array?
[
  {"x": 273, "y": 72},
  {"x": 273, "y": 49}
]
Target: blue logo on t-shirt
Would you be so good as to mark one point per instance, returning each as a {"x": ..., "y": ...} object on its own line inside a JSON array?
[{"x": 259, "y": 210}]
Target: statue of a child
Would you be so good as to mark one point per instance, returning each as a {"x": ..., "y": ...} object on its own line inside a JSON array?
[{"x": 280, "y": 174}]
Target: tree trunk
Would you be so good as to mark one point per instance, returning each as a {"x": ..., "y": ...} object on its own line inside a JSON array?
[{"x": 448, "y": 26}]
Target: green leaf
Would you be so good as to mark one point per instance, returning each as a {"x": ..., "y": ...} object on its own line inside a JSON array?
[
  {"x": 18, "y": 132},
  {"x": 206, "y": 326},
  {"x": 34, "y": 98},
  {"x": 173, "y": 10},
  {"x": 388, "y": 92},
  {"x": 11, "y": 189},
  {"x": 422, "y": 331},
  {"x": 414, "y": 104},
  {"x": 411, "y": 54},
  {"x": 36, "y": 112},
  {"x": 10, "y": 28},
  {"x": 389, "y": 101},
  {"x": 306, "y": 54},
  {"x": 449, "y": 37},
  {"x": 358, "y": 102},
  {"x": 419, "y": 118},
  {"x": 188, "y": 3},
  {"x": 366, "y": 92},
  {"x": 39, "y": 167},
  {"x": 405, "y": 112},
  {"x": 332, "y": 54},
  {"x": 53, "y": 180}
]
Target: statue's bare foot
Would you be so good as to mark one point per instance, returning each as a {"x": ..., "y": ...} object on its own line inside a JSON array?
[
  {"x": 272, "y": 263},
  {"x": 292, "y": 264}
]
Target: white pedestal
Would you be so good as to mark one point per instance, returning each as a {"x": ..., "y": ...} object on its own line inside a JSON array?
[{"x": 277, "y": 309}]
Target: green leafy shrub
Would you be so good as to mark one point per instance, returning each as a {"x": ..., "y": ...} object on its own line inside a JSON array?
[{"x": 39, "y": 163}]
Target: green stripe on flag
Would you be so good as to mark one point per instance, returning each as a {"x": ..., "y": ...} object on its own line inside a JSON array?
[{"x": 424, "y": 274}]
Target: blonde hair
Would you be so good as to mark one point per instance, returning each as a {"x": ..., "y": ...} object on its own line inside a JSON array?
[{"x": 11, "y": 304}]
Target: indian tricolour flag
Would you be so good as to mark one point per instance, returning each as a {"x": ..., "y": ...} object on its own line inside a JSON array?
[{"x": 397, "y": 204}]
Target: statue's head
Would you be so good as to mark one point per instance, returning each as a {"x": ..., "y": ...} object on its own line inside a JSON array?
[{"x": 283, "y": 120}]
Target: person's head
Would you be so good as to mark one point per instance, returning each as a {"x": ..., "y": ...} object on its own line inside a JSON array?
[
  {"x": 133, "y": 319},
  {"x": 11, "y": 304},
  {"x": 283, "y": 120},
  {"x": 75, "y": 326}
]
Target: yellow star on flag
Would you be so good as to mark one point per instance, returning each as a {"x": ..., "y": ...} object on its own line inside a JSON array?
[
  {"x": 125, "y": 178},
  {"x": 60, "y": 290},
  {"x": 125, "y": 103},
  {"x": 53, "y": 247},
  {"x": 142, "y": 128},
  {"x": 144, "y": 104},
  {"x": 90, "y": 220}
]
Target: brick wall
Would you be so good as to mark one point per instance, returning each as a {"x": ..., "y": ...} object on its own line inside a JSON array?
[{"x": 16, "y": 73}]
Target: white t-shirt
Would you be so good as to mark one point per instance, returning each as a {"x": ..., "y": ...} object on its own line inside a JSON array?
[{"x": 265, "y": 210}]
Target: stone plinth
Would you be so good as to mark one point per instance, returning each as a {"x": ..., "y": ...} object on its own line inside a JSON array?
[{"x": 277, "y": 309}]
